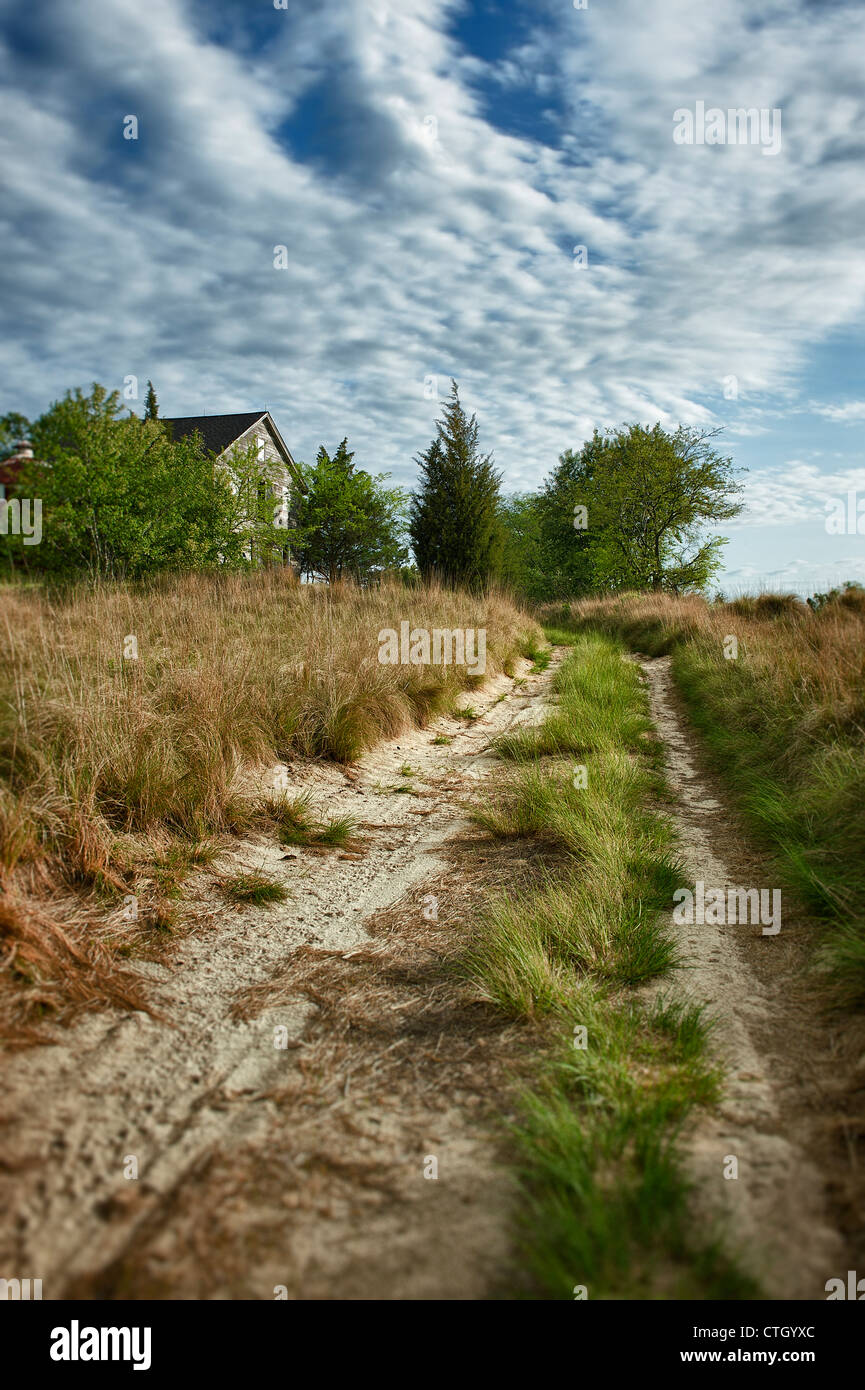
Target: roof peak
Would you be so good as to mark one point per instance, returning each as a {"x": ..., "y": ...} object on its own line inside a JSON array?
[
  {"x": 221, "y": 415},
  {"x": 220, "y": 432}
]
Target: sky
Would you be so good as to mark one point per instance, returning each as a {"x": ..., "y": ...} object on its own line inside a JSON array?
[{"x": 486, "y": 190}]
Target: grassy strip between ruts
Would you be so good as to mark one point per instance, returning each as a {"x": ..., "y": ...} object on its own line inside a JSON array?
[
  {"x": 785, "y": 722},
  {"x": 604, "y": 1200}
]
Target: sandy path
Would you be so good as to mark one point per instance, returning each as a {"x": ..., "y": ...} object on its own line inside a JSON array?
[
  {"x": 173, "y": 1092},
  {"x": 778, "y": 1050},
  {"x": 300, "y": 1167}
]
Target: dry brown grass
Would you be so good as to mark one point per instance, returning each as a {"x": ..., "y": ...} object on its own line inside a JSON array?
[
  {"x": 57, "y": 970},
  {"x": 113, "y": 770}
]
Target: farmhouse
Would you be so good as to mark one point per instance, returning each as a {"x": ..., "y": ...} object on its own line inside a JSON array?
[
  {"x": 224, "y": 435},
  {"x": 228, "y": 435}
]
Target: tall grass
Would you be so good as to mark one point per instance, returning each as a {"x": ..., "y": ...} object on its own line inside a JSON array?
[
  {"x": 109, "y": 758},
  {"x": 785, "y": 721}
]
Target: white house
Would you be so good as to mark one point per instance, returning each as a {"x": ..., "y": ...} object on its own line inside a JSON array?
[{"x": 224, "y": 435}]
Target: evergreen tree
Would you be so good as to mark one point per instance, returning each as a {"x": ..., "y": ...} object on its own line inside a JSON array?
[
  {"x": 455, "y": 523},
  {"x": 347, "y": 524},
  {"x": 151, "y": 405}
]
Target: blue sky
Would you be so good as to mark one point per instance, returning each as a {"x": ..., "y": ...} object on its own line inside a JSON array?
[{"x": 430, "y": 166}]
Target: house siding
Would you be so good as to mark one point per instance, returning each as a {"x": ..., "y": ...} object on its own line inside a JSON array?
[
  {"x": 227, "y": 436},
  {"x": 273, "y": 457}
]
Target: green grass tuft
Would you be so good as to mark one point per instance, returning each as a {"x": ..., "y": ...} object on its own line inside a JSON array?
[
  {"x": 298, "y": 824},
  {"x": 252, "y": 887}
]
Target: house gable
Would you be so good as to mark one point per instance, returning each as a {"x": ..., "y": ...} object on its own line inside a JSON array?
[{"x": 223, "y": 434}]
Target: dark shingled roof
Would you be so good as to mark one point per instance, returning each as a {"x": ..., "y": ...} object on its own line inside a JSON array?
[{"x": 218, "y": 431}]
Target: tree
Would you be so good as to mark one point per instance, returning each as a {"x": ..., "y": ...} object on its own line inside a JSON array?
[
  {"x": 521, "y": 565},
  {"x": 151, "y": 405},
  {"x": 649, "y": 496},
  {"x": 546, "y": 553},
  {"x": 455, "y": 523},
  {"x": 347, "y": 524},
  {"x": 565, "y": 539},
  {"x": 122, "y": 499},
  {"x": 255, "y": 525},
  {"x": 12, "y": 428}
]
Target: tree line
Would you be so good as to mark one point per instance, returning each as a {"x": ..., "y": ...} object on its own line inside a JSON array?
[{"x": 631, "y": 509}]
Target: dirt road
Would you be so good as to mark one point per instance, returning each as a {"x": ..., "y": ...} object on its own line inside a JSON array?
[
  {"x": 176, "y": 1096},
  {"x": 314, "y": 1113},
  {"x": 790, "y": 1214}
]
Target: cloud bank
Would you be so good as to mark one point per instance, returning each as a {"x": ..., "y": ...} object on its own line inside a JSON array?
[{"x": 430, "y": 168}]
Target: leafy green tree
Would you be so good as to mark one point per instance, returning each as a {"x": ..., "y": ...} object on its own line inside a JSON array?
[
  {"x": 628, "y": 510},
  {"x": 565, "y": 539},
  {"x": 12, "y": 428},
  {"x": 151, "y": 405},
  {"x": 122, "y": 499},
  {"x": 455, "y": 522},
  {"x": 650, "y": 497},
  {"x": 347, "y": 524},
  {"x": 255, "y": 522},
  {"x": 519, "y": 567},
  {"x": 546, "y": 553}
]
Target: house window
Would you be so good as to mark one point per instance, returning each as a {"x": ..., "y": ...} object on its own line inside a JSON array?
[{"x": 260, "y": 444}]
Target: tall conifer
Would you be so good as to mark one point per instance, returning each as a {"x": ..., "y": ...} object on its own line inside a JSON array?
[{"x": 454, "y": 525}]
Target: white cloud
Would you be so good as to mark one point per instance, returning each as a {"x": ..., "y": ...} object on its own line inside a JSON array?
[
  {"x": 850, "y": 413},
  {"x": 800, "y": 493},
  {"x": 801, "y": 577},
  {"x": 452, "y": 257}
]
